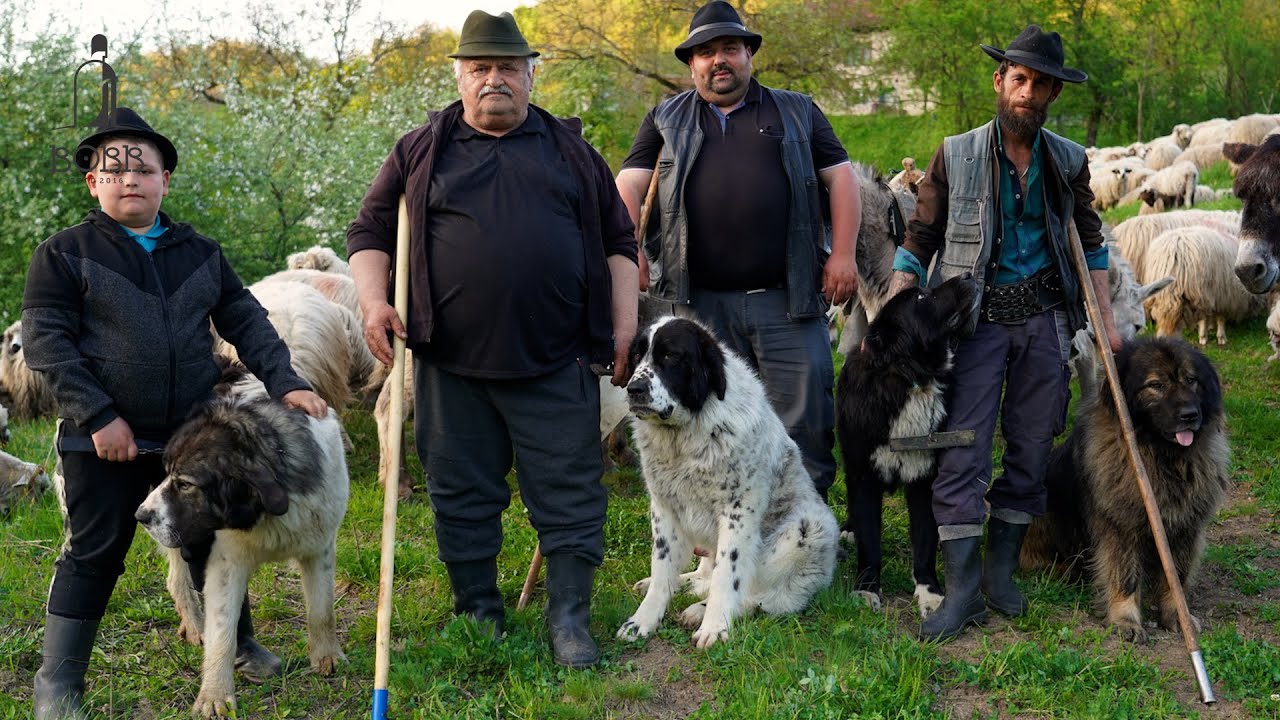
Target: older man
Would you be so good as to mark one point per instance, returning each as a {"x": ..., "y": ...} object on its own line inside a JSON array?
[
  {"x": 741, "y": 242},
  {"x": 522, "y": 278}
]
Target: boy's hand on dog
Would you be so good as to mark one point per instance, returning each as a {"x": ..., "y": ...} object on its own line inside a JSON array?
[
  {"x": 307, "y": 401},
  {"x": 114, "y": 442}
]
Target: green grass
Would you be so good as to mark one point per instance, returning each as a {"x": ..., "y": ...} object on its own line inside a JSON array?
[{"x": 839, "y": 659}]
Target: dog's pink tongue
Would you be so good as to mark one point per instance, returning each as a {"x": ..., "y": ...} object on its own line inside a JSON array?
[{"x": 1185, "y": 437}]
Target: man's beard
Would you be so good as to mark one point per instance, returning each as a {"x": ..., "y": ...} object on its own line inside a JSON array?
[
  {"x": 727, "y": 86},
  {"x": 1016, "y": 122}
]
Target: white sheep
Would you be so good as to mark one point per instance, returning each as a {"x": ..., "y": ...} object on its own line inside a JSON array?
[
  {"x": 318, "y": 257},
  {"x": 1210, "y": 132},
  {"x": 1161, "y": 153},
  {"x": 1273, "y": 330},
  {"x": 1174, "y": 186},
  {"x": 337, "y": 287},
  {"x": 29, "y": 393},
  {"x": 1205, "y": 287},
  {"x": 1250, "y": 129},
  {"x": 1112, "y": 181},
  {"x": 1134, "y": 236},
  {"x": 1202, "y": 156},
  {"x": 1108, "y": 154},
  {"x": 316, "y": 333},
  {"x": 1151, "y": 204},
  {"x": 19, "y": 478}
]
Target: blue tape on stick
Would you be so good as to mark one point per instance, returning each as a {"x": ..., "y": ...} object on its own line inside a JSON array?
[{"x": 380, "y": 704}]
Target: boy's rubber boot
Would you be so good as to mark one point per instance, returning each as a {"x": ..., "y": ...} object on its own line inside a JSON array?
[
  {"x": 1004, "y": 542},
  {"x": 475, "y": 592},
  {"x": 568, "y": 614},
  {"x": 59, "y": 686},
  {"x": 963, "y": 603},
  {"x": 254, "y": 662}
]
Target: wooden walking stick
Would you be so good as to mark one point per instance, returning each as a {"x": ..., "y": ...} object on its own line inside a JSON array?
[
  {"x": 535, "y": 565},
  {"x": 391, "y": 491},
  {"x": 1139, "y": 469}
]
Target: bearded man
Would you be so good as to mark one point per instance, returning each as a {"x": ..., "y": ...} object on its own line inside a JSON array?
[{"x": 997, "y": 202}]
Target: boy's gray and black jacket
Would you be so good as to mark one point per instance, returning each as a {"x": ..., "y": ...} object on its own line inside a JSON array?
[{"x": 119, "y": 332}]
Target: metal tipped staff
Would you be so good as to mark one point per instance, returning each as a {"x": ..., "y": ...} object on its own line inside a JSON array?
[
  {"x": 535, "y": 565},
  {"x": 391, "y": 491},
  {"x": 1139, "y": 469}
]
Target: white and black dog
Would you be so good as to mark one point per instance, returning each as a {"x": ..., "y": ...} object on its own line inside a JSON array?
[
  {"x": 894, "y": 387},
  {"x": 254, "y": 482},
  {"x": 723, "y": 475}
]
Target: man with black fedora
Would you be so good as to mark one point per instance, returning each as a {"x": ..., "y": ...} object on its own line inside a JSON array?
[
  {"x": 997, "y": 202},
  {"x": 742, "y": 235},
  {"x": 522, "y": 282}
]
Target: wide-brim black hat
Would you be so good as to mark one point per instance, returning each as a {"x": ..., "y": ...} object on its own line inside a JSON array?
[
  {"x": 485, "y": 35},
  {"x": 713, "y": 20},
  {"x": 124, "y": 121},
  {"x": 1038, "y": 50}
]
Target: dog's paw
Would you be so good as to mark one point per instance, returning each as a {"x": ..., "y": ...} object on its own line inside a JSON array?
[
  {"x": 709, "y": 634},
  {"x": 642, "y": 587},
  {"x": 190, "y": 631},
  {"x": 691, "y": 618},
  {"x": 212, "y": 703},
  {"x": 927, "y": 600},
  {"x": 1169, "y": 621},
  {"x": 632, "y": 630},
  {"x": 326, "y": 663},
  {"x": 874, "y": 601},
  {"x": 1130, "y": 629}
]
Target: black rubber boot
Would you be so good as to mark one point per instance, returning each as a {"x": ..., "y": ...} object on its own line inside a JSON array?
[
  {"x": 1004, "y": 542},
  {"x": 59, "y": 692},
  {"x": 569, "y": 581},
  {"x": 253, "y": 661},
  {"x": 475, "y": 592},
  {"x": 963, "y": 604}
]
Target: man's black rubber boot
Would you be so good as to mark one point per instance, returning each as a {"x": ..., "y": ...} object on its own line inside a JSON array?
[
  {"x": 59, "y": 690},
  {"x": 963, "y": 604},
  {"x": 475, "y": 592},
  {"x": 1004, "y": 542},
  {"x": 569, "y": 581}
]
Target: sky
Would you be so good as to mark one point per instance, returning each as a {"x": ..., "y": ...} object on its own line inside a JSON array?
[{"x": 123, "y": 18}]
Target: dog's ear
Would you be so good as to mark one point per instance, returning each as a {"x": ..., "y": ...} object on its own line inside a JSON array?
[
  {"x": 274, "y": 498},
  {"x": 1210, "y": 385},
  {"x": 712, "y": 364}
]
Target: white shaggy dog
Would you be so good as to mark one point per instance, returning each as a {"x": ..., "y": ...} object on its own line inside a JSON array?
[
  {"x": 264, "y": 483},
  {"x": 722, "y": 474}
]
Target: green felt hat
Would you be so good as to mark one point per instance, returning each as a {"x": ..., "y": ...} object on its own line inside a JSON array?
[{"x": 485, "y": 35}]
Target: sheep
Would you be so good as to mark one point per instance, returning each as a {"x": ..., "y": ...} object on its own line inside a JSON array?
[
  {"x": 29, "y": 393},
  {"x": 1204, "y": 287},
  {"x": 316, "y": 333},
  {"x": 1202, "y": 156},
  {"x": 1211, "y": 132},
  {"x": 1108, "y": 154},
  {"x": 1127, "y": 298},
  {"x": 1174, "y": 186},
  {"x": 1250, "y": 129},
  {"x": 318, "y": 257},
  {"x": 19, "y": 478},
  {"x": 339, "y": 288},
  {"x": 1153, "y": 204},
  {"x": 1112, "y": 181},
  {"x": 909, "y": 179},
  {"x": 1161, "y": 153},
  {"x": 1273, "y": 330},
  {"x": 1134, "y": 236}
]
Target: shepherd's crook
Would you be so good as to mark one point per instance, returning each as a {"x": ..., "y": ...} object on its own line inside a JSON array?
[
  {"x": 535, "y": 565},
  {"x": 391, "y": 491},
  {"x": 1139, "y": 469}
]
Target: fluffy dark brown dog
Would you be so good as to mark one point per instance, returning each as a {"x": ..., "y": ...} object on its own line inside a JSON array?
[{"x": 1095, "y": 510}]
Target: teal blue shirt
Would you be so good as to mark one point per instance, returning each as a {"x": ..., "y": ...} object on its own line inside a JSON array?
[
  {"x": 1025, "y": 248},
  {"x": 148, "y": 239}
]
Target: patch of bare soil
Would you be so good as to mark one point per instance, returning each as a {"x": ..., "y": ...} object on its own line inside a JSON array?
[{"x": 676, "y": 691}]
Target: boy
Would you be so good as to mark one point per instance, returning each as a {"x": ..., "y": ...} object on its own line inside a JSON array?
[{"x": 116, "y": 315}]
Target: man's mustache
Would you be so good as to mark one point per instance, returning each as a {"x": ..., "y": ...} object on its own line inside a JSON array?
[{"x": 489, "y": 90}]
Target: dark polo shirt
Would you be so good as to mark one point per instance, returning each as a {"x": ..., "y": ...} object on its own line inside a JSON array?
[
  {"x": 736, "y": 196},
  {"x": 506, "y": 258}
]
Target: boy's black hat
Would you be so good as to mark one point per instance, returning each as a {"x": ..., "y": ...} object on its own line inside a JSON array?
[
  {"x": 1040, "y": 51},
  {"x": 124, "y": 121},
  {"x": 485, "y": 35},
  {"x": 713, "y": 20}
]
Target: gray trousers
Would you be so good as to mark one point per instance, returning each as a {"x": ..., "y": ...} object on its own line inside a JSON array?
[
  {"x": 1029, "y": 362},
  {"x": 793, "y": 359},
  {"x": 469, "y": 430}
]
